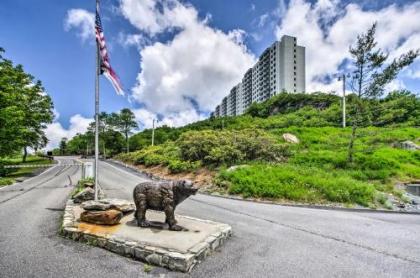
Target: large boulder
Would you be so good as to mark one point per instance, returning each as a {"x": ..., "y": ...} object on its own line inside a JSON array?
[
  {"x": 105, "y": 204},
  {"x": 409, "y": 145},
  {"x": 290, "y": 138},
  {"x": 84, "y": 195},
  {"x": 102, "y": 217}
]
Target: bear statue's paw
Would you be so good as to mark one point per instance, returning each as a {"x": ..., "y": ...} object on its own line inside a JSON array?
[
  {"x": 144, "y": 224},
  {"x": 175, "y": 228}
]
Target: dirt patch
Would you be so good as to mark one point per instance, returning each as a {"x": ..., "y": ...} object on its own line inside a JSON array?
[{"x": 202, "y": 178}]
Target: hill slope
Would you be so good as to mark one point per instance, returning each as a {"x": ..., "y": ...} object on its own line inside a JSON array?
[{"x": 313, "y": 171}]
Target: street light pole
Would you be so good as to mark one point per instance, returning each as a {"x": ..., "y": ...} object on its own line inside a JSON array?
[
  {"x": 153, "y": 132},
  {"x": 344, "y": 100},
  {"x": 343, "y": 77}
]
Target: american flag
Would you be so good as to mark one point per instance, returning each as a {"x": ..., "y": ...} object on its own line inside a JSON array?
[{"x": 104, "y": 63}]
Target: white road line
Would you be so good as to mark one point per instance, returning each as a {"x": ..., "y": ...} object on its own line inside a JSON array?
[
  {"x": 8, "y": 186},
  {"x": 125, "y": 172}
]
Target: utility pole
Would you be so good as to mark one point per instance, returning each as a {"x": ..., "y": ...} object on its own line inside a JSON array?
[
  {"x": 343, "y": 78},
  {"x": 153, "y": 133}
]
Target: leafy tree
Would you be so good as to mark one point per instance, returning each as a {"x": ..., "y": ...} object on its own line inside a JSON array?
[
  {"x": 125, "y": 123},
  {"x": 372, "y": 76},
  {"x": 25, "y": 109},
  {"x": 11, "y": 115},
  {"x": 63, "y": 146},
  {"x": 38, "y": 112},
  {"x": 81, "y": 143}
]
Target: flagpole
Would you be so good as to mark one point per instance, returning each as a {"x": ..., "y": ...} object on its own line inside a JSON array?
[{"x": 96, "y": 115}]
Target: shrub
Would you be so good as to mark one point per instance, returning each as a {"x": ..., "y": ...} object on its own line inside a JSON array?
[
  {"x": 6, "y": 181},
  {"x": 178, "y": 166},
  {"x": 230, "y": 147}
]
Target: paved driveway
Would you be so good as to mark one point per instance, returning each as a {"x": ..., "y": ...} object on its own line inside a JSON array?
[{"x": 268, "y": 241}]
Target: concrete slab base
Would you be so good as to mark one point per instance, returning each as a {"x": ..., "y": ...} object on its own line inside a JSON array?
[{"x": 179, "y": 251}]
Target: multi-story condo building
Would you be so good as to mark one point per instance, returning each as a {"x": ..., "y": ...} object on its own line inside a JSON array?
[{"x": 280, "y": 68}]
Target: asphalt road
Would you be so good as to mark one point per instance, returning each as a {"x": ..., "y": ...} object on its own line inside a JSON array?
[{"x": 268, "y": 241}]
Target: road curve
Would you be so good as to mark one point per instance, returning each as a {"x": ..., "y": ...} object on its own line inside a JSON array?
[{"x": 268, "y": 241}]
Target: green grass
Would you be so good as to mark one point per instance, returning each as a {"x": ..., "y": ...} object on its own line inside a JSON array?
[
  {"x": 147, "y": 268},
  {"x": 13, "y": 174},
  {"x": 314, "y": 171},
  {"x": 297, "y": 183},
  {"x": 80, "y": 186}
]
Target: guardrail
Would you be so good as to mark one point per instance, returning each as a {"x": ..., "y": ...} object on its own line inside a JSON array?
[{"x": 41, "y": 165}]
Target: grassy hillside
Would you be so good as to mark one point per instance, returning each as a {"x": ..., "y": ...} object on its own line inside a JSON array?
[{"x": 314, "y": 171}]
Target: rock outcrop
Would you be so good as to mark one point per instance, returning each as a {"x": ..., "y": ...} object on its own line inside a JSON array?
[
  {"x": 84, "y": 195},
  {"x": 290, "y": 138},
  {"x": 409, "y": 145}
]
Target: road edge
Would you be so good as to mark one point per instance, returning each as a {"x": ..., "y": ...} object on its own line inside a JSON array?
[{"x": 131, "y": 168}]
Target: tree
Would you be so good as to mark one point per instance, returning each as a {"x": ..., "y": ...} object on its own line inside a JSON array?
[
  {"x": 63, "y": 146},
  {"x": 11, "y": 114},
  {"x": 372, "y": 76},
  {"x": 25, "y": 109},
  {"x": 38, "y": 112},
  {"x": 125, "y": 123}
]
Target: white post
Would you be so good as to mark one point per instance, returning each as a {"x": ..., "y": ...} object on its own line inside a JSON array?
[
  {"x": 344, "y": 100},
  {"x": 153, "y": 133},
  {"x": 88, "y": 170},
  {"x": 97, "y": 115}
]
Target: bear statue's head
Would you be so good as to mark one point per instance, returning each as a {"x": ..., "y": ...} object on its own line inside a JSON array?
[{"x": 183, "y": 189}]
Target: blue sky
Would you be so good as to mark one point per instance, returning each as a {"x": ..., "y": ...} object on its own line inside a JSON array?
[
  {"x": 152, "y": 48},
  {"x": 35, "y": 37}
]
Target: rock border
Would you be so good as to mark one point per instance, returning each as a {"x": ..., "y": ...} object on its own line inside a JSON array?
[{"x": 158, "y": 256}]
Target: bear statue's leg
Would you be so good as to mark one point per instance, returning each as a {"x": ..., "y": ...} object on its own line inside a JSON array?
[
  {"x": 170, "y": 215},
  {"x": 140, "y": 214}
]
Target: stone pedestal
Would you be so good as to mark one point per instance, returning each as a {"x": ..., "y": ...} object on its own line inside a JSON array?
[{"x": 179, "y": 251}]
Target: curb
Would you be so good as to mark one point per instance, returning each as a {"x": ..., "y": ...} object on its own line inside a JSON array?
[
  {"x": 367, "y": 210},
  {"x": 312, "y": 206}
]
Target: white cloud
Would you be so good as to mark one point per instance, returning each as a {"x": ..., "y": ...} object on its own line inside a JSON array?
[
  {"x": 395, "y": 85},
  {"x": 263, "y": 20},
  {"x": 326, "y": 29},
  {"x": 191, "y": 72},
  {"x": 81, "y": 20},
  {"x": 154, "y": 16},
  {"x": 145, "y": 118},
  {"x": 412, "y": 73},
  {"x": 55, "y": 131},
  {"x": 137, "y": 40}
]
